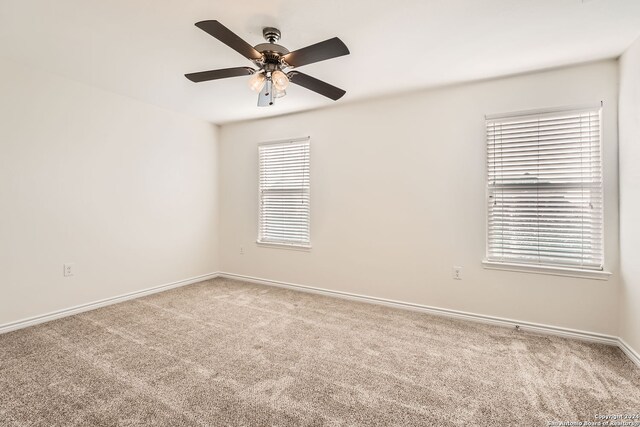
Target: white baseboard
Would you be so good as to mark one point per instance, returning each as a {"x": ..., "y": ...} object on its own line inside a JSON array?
[
  {"x": 24, "y": 323},
  {"x": 499, "y": 321},
  {"x": 511, "y": 323},
  {"x": 631, "y": 353}
]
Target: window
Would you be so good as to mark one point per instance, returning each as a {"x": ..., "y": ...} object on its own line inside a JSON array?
[
  {"x": 544, "y": 189},
  {"x": 284, "y": 193}
]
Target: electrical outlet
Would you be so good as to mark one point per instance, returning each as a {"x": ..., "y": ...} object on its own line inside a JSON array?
[
  {"x": 69, "y": 270},
  {"x": 241, "y": 250},
  {"x": 457, "y": 272}
]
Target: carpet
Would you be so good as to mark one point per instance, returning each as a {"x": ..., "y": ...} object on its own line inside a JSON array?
[{"x": 225, "y": 352}]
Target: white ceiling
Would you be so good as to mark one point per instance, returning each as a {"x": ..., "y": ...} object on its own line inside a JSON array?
[{"x": 142, "y": 48}]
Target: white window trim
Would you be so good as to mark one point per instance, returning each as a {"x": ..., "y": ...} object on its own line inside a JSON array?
[
  {"x": 596, "y": 274},
  {"x": 550, "y": 270},
  {"x": 286, "y": 245}
]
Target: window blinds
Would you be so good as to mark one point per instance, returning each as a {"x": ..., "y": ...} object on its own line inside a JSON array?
[
  {"x": 284, "y": 192},
  {"x": 545, "y": 196}
]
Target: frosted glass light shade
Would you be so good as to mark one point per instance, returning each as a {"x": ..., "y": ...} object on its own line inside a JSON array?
[
  {"x": 277, "y": 93},
  {"x": 257, "y": 81},
  {"x": 280, "y": 80}
]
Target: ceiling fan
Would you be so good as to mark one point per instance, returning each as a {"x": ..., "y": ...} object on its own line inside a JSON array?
[{"x": 276, "y": 65}]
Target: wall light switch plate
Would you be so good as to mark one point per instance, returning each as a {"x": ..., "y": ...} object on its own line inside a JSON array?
[
  {"x": 457, "y": 272},
  {"x": 69, "y": 270}
]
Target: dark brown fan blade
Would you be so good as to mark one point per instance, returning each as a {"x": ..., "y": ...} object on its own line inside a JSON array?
[
  {"x": 327, "y": 49},
  {"x": 315, "y": 85},
  {"x": 229, "y": 38},
  {"x": 203, "y": 76}
]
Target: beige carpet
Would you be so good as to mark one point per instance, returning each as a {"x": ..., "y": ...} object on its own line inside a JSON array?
[{"x": 224, "y": 352}]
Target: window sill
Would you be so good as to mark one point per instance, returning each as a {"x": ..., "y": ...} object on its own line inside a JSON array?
[
  {"x": 289, "y": 246},
  {"x": 554, "y": 271}
]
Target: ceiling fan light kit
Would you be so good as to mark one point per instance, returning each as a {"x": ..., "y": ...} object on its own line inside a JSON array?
[
  {"x": 257, "y": 82},
  {"x": 276, "y": 66}
]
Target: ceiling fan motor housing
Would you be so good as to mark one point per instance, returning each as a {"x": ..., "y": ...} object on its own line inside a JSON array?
[{"x": 272, "y": 52}]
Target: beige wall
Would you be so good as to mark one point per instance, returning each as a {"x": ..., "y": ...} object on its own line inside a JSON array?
[
  {"x": 129, "y": 193},
  {"x": 126, "y": 191},
  {"x": 629, "y": 122},
  {"x": 398, "y": 198}
]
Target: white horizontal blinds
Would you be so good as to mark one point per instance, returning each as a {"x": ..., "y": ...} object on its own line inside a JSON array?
[
  {"x": 284, "y": 192},
  {"x": 545, "y": 197}
]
